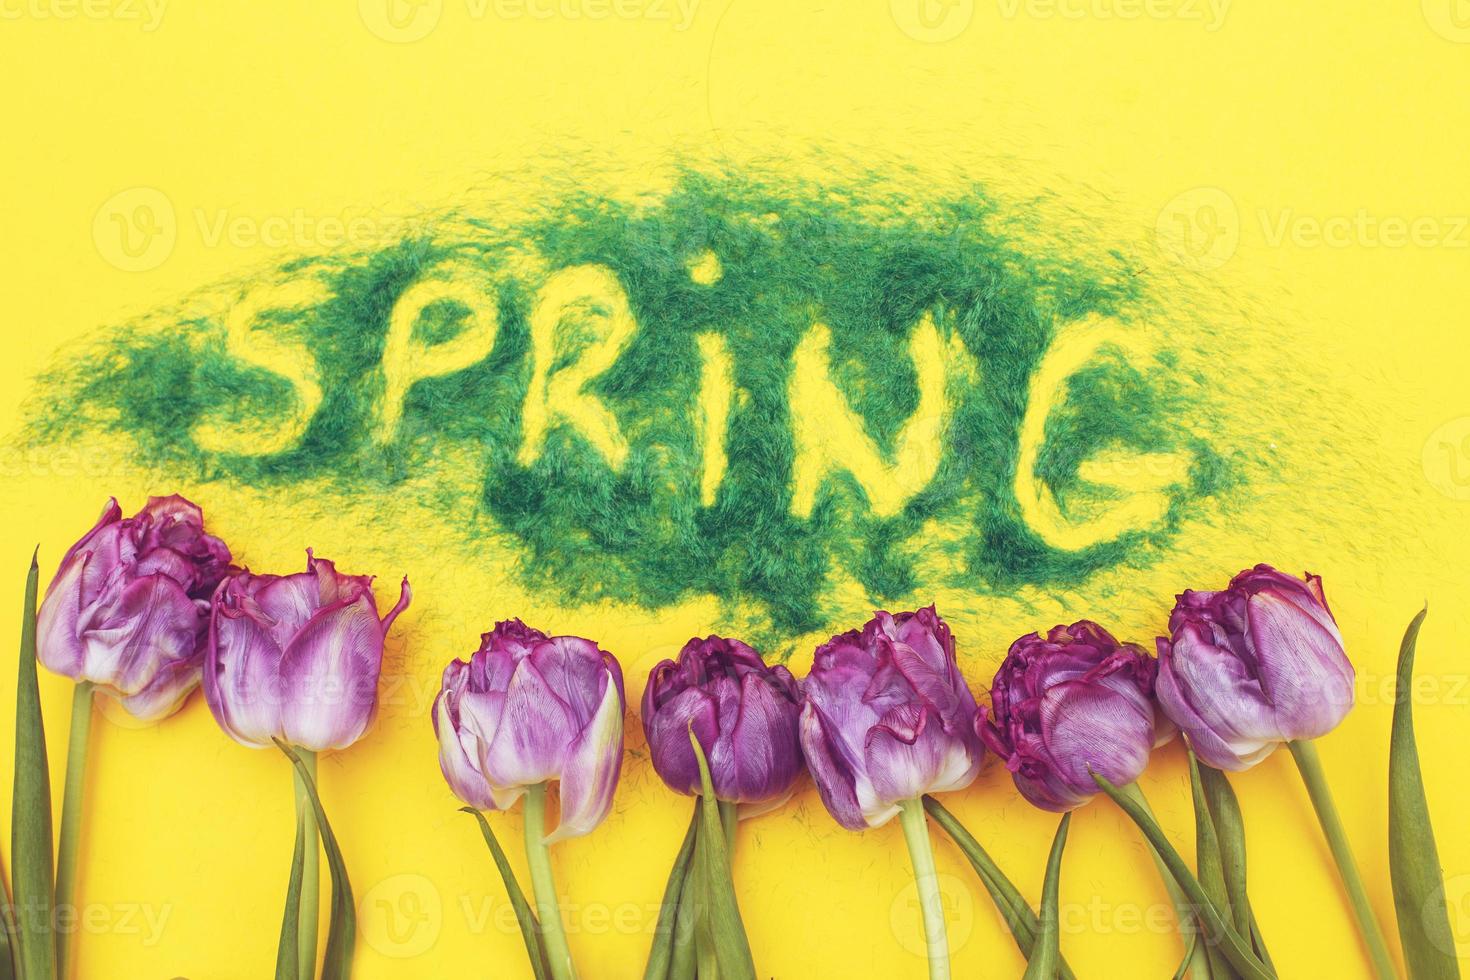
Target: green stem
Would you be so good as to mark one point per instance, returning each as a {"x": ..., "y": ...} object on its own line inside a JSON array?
[
  {"x": 729, "y": 820},
  {"x": 1196, "y": 955},
  {"x": 926, "y": 878},
  {"x": 1176, "y": 894},
  {"x": 1184, "y": 911},
  {"x": 538, "y": 857},
  {"x": 71, "y": 821},
  {"x": 306, "y": 929},
  {"x": 1310, "y": 766}
]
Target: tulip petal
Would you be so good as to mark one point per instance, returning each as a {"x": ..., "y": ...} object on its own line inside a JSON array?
[
  {"x": 1309, "y": 596},
  {"x": 152, "y": 624},
  {"x": 58, "y": 646},
  {"x": 289, "y": 601},
  {"x": 329, "y": 674},
  {"x": 1089, "y": 728},
  {"x": 165, "y": 694},
  {"x": 457, "y": 764},
  {"x": 765, "y": 741},
  {"x": 241, "y": 683},
  {"x": 931, "y": 682},
  {"x": 163, "y": 561},
  {"x": 506, "y": 797},
  {"x": 111, "y": 514},
  {"x": 724, "y": 764},
  {"x": 335, "y": 586},
  {"x": 929, "y": 638},
  {"x": 405, "y": 596},
  {"x": 479, "y": 714},
  {"x": 839, "y": 695},
  {"x": 173, "y": 510},
  {"x": 833, "y": 777},
  {"x": 749, "y": 811},
  {"x": 1208, "y": 693},
  {"x": 593, "y": 764},
  {"x": 529, "y": 743},
  {"x": 573, "y": 668},
  {"x": 908, "y": 754},
  {"x": 668, "y": 728},
  {"x": 1303, "y": 670}
]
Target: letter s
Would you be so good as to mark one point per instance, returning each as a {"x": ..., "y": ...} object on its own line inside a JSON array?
[{"x": 268, "y": 435}]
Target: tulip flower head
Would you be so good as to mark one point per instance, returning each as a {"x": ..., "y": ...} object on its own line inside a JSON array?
[
  {"x": 297, "y": 657},
  {"x": 1069, "y": 704},
  {"x": 128, "y": 609},
  {"x": 887, "y": 718},
  {"x": 1258, "y": 663},
  {"x": 528, "y": 709},
  {"x": 744, "y": 713}
]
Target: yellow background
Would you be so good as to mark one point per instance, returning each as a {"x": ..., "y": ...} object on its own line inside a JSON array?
[{"x": 1308, "y": 110}]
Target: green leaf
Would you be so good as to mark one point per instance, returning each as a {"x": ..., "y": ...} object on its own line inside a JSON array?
[
  {"x": 342, "y": 928},
  {"x": 7, "y": 929},
  {"x": 1047, "y": 953},
  {"x": 8, "y": 945},
  {"x": 287, "y": 964},
  {"x": 1259, "y": 944},
  {"x": 1013, "y": 907},
  {"x": 30, "y": 832},
  {"x": 1418, "y": 889},
  {"x": 1207, "y": 861},
  {"x": 1217, "y": 927},
  {"x": 730, "y": 949},
  {"x": 1230, "y": 835},
  {"x": 525, "y": 917},
  {"x": 1230, "y": 831},
  {"x": 1184, "y": 964},
  {"x": 1196, "y": 960},
  {"x": 661, "y": 954},
  {"x": 682, "y": 965},
  {"x": 69, "y": 837}
]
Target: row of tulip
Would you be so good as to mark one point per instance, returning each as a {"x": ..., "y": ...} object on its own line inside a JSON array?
[{"x": 143, "y": 609}]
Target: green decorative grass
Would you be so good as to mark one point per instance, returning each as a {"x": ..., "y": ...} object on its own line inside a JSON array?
[{"x": 866, "y": 262}]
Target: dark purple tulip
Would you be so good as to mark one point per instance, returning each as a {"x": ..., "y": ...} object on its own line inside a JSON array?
[
  {"x": 129, "y": 606},
  {"x": 297, "y": 657},
  {"x": 887, "y": 718},
  {"x": 744, "y": 713},
  {"x": 1260, "y": 663},
  {"x": 528, "y": 709},
  {"x": 1071, "y": 701}
]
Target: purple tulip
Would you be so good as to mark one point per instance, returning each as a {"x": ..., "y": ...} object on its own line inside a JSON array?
[
  {"x": 887, "y": 718},
  {"x": 129, "y": 606},
  {"x": 527, "y": 709},
  {"x": 1260, "y": 663},
  {"x": 297, "y": 657},
  {"x": 745, "y": 714},
  {"x": 1069, "y": 704}
]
